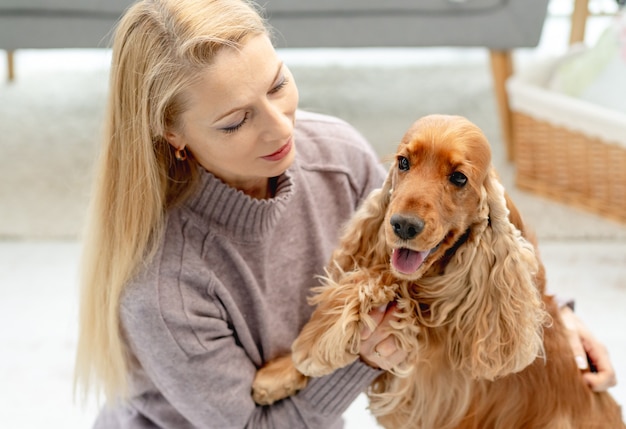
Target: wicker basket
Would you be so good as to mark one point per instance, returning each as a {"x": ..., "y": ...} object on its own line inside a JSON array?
[{"x": 567, "y": 149}]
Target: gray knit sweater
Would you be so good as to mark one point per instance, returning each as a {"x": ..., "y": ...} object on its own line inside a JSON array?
[{"x": 227, "y": 291}]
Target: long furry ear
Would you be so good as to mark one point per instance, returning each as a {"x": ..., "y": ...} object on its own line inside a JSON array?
[
  {"x": 362, "y": 243},
  {"x": 498, "y": 326}
]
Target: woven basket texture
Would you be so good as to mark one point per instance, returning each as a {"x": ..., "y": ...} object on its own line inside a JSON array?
[{"x": 570, "y": 167}]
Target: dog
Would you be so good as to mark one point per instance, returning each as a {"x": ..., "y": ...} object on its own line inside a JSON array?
[{"x": 485, "y": 344}]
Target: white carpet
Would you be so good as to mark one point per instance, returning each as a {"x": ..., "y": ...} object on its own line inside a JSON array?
[{"x": 50, "y": 119}]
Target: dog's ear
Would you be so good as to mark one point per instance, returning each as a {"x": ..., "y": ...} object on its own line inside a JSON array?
[
  {"x": 499, "y": 323},
  {"x": 362, "y": 243}
]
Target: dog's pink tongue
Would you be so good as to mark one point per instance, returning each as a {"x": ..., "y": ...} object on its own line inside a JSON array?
[{"x": 407, "y": 261}]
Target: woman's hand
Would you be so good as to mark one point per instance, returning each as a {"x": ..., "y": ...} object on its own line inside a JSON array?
[
  {"x": 584, "y": 345},
  {"x": 378, "y": 347}
]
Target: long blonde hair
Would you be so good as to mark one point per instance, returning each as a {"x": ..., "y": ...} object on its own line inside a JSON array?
[{"x": 159, "y": 49}]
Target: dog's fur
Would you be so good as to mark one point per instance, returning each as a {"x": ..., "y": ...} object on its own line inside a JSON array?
[{"x": 486, "y": 346}]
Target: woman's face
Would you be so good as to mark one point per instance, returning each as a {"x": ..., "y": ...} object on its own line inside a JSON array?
[{"x": 240, "y": 118}]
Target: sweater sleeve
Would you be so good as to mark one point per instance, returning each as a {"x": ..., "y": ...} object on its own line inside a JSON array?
[{"x": 205, "y": 377}]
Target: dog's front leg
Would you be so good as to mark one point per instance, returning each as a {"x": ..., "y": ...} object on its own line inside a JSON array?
[
  {"x": 327, "y": 342},
  {"x": 331, "y": 338},
  {"x": 278, "y": 379}
]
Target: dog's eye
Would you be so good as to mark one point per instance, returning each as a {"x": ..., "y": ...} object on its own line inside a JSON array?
[
  {"x": 458, "y": 179},
  {"x": 403, "y": 163}
]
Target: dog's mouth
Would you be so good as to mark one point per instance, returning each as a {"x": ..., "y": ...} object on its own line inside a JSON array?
[{"x": 407, "y": 261}]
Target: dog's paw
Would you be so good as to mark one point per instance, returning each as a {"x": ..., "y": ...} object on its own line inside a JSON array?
[
  {"x": 307, "y": 364},
  {"x": 277, "y": 380}
]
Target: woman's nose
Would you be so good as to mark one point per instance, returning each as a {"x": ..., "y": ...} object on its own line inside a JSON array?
[
  {"x": 278, "y": 123},
  {"x": 279, "y": 117}
]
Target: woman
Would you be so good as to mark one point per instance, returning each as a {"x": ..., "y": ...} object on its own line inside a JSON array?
[
  {"x": 193, "y": 279},
  {"x": 208, "y": 227}
]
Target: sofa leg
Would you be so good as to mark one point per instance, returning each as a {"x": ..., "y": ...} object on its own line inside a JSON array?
[
  {"x": 502, "y": 69},
  {"x": 579, "y": 20},
  {"x": 10, "y": 66}
]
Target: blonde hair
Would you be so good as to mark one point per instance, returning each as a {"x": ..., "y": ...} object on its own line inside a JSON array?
[{"x": 159, "y": 49}]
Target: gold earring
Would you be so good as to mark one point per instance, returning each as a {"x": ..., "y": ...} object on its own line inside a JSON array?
[{"x": 180, "y": 154}]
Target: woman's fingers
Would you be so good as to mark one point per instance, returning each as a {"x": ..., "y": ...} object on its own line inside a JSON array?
[
  {"x": 377, "y": 314},
  {"x": 574, "y": 338},
  {"x": 603, "y": 376},
  {"x": 378, "y": 346},
  {"x": 387, "y": 355},
  {"x": 584, "y": 345}
]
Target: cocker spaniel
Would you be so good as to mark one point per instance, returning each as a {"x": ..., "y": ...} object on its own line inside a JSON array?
[{"x": 486, "y": 345}]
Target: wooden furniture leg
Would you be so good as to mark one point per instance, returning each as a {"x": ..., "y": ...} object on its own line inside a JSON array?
[
  {"x": 501, "y": 70},
  {"x": 10, "y": 66},
  {"x": 579, "y": 20}
]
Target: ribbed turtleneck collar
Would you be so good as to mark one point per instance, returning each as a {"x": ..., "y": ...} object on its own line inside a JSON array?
[{"x": 237, "y": 214}]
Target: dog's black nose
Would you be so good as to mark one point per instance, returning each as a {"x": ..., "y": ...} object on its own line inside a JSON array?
[{"x": 406, "y": 227}]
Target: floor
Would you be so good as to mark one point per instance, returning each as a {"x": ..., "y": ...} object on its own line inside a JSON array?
[{"x": 38, "y": 308}]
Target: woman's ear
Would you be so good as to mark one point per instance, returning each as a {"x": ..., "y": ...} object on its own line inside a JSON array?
[{"x": 175, "y": 139}]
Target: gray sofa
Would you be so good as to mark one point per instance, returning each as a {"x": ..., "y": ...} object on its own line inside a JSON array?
[
  {"x": 494, "y": 24},
  {"x": 498, "y": 25},
  {"x": 42, "y": 24}
]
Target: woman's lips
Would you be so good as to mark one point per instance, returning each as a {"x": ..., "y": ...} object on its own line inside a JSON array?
[{"x": 280, "y": 153}]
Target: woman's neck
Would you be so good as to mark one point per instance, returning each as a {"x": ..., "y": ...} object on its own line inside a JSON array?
[{"x": 261, "y": 190}]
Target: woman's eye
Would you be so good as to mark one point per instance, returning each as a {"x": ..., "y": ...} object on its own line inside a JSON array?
[
  {"x": 280, "y": 86},
  {"x": 233, "y": 128},
  {"x": 403, "y": 163},
  {"x": 458, "y": 179}
]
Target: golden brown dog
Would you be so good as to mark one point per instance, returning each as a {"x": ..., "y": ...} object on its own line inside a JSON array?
[{"x": 486, "y": 346}]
